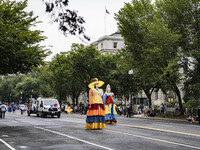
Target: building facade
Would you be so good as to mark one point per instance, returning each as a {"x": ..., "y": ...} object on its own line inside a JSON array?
[{"x": 111, "y": 44}]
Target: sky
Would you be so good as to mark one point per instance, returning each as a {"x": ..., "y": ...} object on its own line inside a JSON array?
[{"x": 93, "y": 12}]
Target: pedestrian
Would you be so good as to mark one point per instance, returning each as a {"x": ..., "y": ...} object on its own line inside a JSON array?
[
  {"x": 3, "y": 110},
  {"x": 176, "y": 106},
  {"x": 165, "y": 108},
  {"x": 0, "y": 110},
  {"x": 110, "y": 106},
  {"x": 22, "y": 108},
  {"x": 198, "y": 112},
  {"x": 96, "y": 112},
  {"x": 129, "y": 112},
  {"x": 14, "y": 108},
  {"x": 152, "y": 113}
]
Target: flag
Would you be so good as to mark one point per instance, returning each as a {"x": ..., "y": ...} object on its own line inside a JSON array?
[{"x": 107, "y": 11}]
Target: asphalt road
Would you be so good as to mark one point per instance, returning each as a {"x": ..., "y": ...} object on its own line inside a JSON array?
[{"x": 21, "y": 132}]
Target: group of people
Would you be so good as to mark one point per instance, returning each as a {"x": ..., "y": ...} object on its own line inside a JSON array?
[
  {"x": 2, "y": 110},
  {"x": 101, "y": 108}
]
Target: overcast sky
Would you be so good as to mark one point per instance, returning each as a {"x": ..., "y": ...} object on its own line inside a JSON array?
[{"x": 93, "y": 12}]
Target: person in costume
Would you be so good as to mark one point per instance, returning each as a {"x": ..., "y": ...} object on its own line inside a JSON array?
[
  {"x": 96, "y": 111},
  {"x": 110, "y": 107}
]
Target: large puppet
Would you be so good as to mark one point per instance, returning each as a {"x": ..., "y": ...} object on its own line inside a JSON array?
[
  {"x": 110, "y": 107},
  {"x": 96, "y": 111}
]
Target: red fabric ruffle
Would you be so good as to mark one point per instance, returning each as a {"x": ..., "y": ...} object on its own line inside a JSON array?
[{"x": 96, "y": 106}]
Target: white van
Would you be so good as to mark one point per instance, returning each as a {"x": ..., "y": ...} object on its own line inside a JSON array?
[{"x": 48, "y": 106}]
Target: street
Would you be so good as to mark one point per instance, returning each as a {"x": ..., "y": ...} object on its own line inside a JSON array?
[{"x": 21, "y": 132}]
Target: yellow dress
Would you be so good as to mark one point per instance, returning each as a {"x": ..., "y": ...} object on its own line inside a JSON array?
[{"x": 96, "y": 113}]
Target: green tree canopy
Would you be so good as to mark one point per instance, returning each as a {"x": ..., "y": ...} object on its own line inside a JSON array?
[{"x": 19, "y": 48}]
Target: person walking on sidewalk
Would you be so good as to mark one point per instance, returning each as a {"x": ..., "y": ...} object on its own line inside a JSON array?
[{"x": 198, "y": 112}]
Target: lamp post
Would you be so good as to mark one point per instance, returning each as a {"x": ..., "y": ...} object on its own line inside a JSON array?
[
  {"x": 10, "y": 98},
  {"x": 84, "y": 98},
  {"x": 130, "y": 72},
  {"x": 21, "y": 98},
  {"x": 31, "y": 95}
]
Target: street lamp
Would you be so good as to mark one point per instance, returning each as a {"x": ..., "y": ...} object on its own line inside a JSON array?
[
  {"x": 31, "y": 94},
  {"x": 21, "y": 98},
  {"x": 84, "y": 98},
  {"x": 130, "y": 72},
  {"x": 10, "y": 98}
]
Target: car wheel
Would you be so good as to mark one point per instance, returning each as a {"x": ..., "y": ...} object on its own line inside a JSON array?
[
  {"x": 43, "y": 115},
  {"x": 59, "y": 116}
]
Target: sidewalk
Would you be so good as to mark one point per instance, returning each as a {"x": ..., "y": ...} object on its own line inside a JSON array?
[
  {"x": 159, "y": 118},
  {"x": 143, "y": 116}
]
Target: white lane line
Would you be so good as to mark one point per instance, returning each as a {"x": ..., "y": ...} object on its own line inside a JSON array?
[
  {"x": 7, "y": 144},
  {"x": 149, "y": 138},
  {"x": 73, "y": 138}
]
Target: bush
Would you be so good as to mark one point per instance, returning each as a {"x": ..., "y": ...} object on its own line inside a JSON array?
[
  {"x": 171, "y": 104},
  {"x": 191, "y": 103}
]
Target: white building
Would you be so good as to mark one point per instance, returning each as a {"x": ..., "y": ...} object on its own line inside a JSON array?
[{"x": 111, "y": 44}]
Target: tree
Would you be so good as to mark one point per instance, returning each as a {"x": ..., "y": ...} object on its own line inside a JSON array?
[
  {"x": 152, "y": 46},
  {"x": 68, "y": 20},
  {"x": 182, "y": 17},
  {"x": 15, "y": 88},
  {"x": 19, "y": 48},
  {"x": 133, "y": 21}
]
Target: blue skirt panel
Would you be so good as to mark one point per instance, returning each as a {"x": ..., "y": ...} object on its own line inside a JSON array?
[
  {"x": 91, "y": 119},
  {"x": 109, "y": 117}
]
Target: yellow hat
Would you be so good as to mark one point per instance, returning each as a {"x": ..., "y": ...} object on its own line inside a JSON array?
[{"x": 95, "y": 81}]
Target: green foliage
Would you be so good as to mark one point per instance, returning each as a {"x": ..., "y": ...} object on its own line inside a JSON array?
[
  {"x": 182, "y": 17},
  {"x": 19, "y": 48},
  {"x": 156, "y": 106},
  {"x": 150, "y": 45},
  {"x": 19, "y": 88},
  {"x": 191, "y": 103},
  {"x": 171, "y": 104}
]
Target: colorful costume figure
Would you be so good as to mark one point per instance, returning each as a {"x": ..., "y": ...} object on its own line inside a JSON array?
[
  {"x": 96, "y": 111},
  {"x": 110, "y": 107}
]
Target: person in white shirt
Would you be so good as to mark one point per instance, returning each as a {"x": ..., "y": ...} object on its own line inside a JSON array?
[
  {"x": 22, "y": 108},
  {"x": 3, "y": 110}
]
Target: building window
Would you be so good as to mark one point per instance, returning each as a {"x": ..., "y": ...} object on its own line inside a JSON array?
[
  {"x": 115, "y": 45},
  {"x": 156, "y": 95},
  {"x": 101, "y": 45}
]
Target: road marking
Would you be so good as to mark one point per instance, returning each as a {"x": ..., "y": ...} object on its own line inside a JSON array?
[
  {"x": 163, "y": 130},
  {"x": 150, "y": 138},
  {"x": 7, "y": 144},
  {"x": 149, "y": 128},
  {"x": 73, "y": 138}
]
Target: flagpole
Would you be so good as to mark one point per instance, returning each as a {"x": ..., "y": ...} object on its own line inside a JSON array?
[{"x": 105, "y": 22}]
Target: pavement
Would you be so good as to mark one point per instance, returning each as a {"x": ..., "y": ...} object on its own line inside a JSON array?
[
  {"x": 143, "y": 116},
  {"x": 22, "y": 132}
]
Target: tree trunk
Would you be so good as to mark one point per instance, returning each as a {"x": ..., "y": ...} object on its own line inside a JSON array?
[
  {"x": 76, "y": 101},
  {"x": 177, "y": 91},
  {"x": 73, "y": 101},
  {"x": 148, "y": 94}
]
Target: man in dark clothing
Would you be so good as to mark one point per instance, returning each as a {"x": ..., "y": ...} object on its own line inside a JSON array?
[
  {"x": 129, "y": 111},
  {"x": 198, "y": 112}
]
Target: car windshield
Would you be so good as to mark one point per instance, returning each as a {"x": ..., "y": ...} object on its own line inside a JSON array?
[{"x": 51, "y": 102}]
